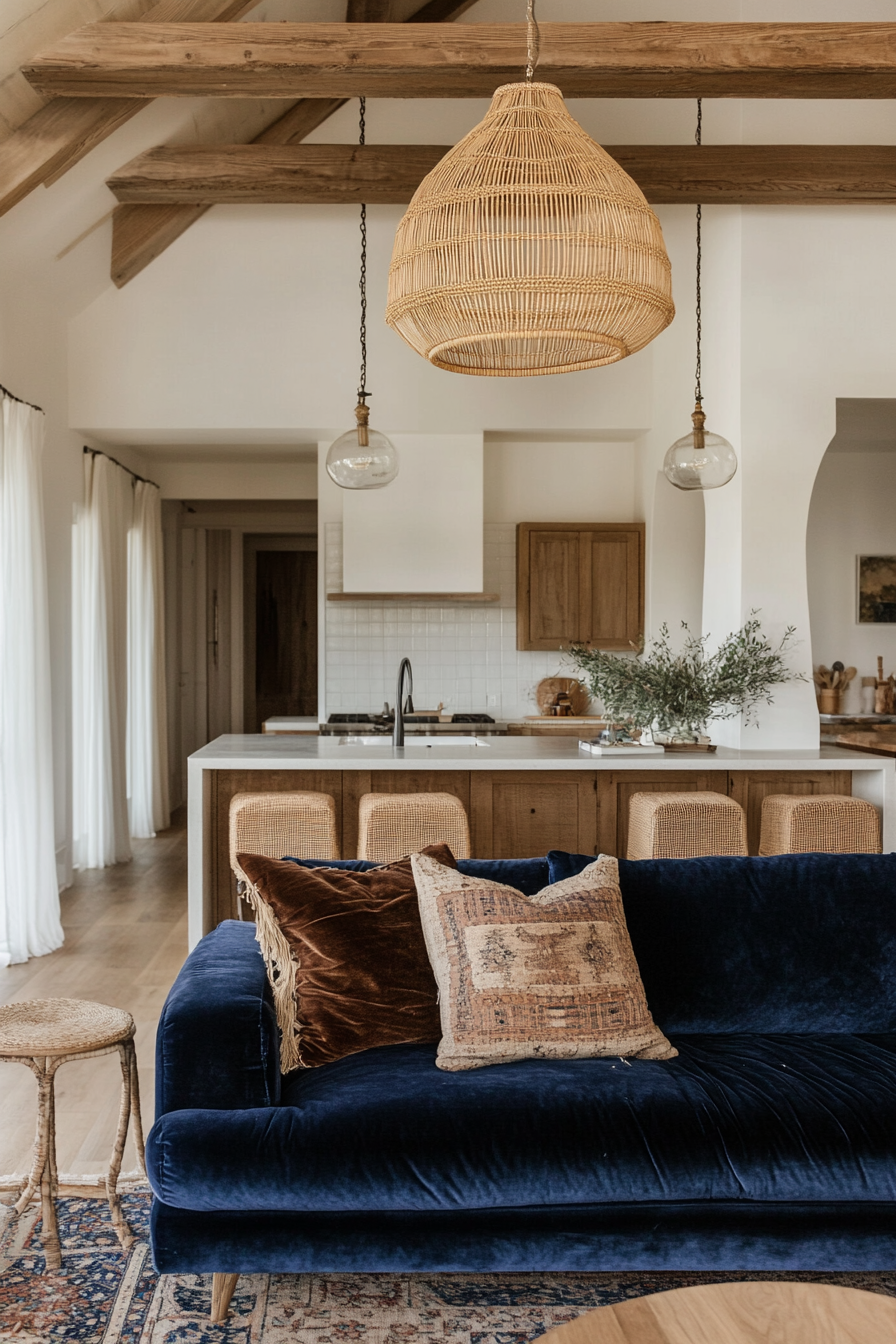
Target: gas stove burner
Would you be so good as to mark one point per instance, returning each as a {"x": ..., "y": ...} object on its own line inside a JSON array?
[{"x": 408, "y": 718}]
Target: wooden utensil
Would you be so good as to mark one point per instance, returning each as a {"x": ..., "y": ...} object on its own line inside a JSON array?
[{"x": 885, "y": 692}]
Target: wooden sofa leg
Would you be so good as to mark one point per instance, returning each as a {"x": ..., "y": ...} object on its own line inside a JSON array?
[{"x": 222, "y": 1291}]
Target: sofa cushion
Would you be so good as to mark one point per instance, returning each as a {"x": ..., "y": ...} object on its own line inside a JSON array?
[
  {"x": 547, "y": 977},
  {"x": 526, "y": 875},
  {"x": 732, "y": 1118},
  {"x": 792, "y": 943},
  {"x": 346, "y": 956}
]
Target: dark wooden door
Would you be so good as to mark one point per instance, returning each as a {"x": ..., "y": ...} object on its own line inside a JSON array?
[
  {"x": 281, "y": 670},
  {"x": 218, "y": 631},
  {"x": 285, "y": 633}
]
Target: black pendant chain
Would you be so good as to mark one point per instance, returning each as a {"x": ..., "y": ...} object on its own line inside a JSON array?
[
  {"x": 698, "y": 140},
  {"x": 363, "y": 394}
]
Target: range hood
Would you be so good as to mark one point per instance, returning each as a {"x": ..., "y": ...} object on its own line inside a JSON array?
[{"x": 420, "y": 537}]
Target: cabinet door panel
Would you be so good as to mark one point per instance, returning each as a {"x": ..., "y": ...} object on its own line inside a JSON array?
[
  {"x": 524, "y": 814},
  {"x": 610, "y": 587},
  {"x": 547, "y": 600},
  {"x": 553, "y": 589}
]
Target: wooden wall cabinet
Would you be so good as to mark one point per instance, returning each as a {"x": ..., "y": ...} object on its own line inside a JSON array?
[{"x": 579, "y": 583}]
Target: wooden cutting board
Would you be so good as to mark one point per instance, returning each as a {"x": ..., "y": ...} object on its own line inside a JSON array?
[{"x": 549, "y": 688}]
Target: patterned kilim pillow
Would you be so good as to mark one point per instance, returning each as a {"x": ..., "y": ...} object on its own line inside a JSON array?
[{"x": 551, "y": 976}]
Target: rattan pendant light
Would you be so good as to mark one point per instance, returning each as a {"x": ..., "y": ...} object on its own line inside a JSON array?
[
  {"x": 700, "y": 460},
  {"x": 528, "y": 250}
]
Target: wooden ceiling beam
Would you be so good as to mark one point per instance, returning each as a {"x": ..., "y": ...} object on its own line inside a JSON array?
[
  {"x": 140, "y": 233},
  {"x": 307, "y": 174},
  {"x": 203, "y": 175},
  {"x": 65, "y": 129},
  {"x": 419, "y": 60}
]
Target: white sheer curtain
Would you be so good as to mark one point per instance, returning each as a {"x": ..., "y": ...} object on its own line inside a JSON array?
[
  {"x": 29, "y": 893},
  {"x": 148, "y": 802},
  {"x": 100, "y": 665}
]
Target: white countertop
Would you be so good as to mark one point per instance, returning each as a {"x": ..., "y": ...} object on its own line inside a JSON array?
[
  {"x": 291, "y": 723},
  {"x": 257, "y": 751}
]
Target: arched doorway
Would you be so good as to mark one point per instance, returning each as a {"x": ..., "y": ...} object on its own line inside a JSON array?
[{"x": 852, "y": 514}]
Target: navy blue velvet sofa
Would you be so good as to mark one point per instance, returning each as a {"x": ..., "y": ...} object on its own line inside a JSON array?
[{"x": 769, "y": 1143}]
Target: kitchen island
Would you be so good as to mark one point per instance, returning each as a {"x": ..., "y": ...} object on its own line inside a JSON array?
[{"x": 523, "y": 795}]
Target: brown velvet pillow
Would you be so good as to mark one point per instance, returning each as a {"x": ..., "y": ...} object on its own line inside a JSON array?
[{"x": 345, "y": 956}]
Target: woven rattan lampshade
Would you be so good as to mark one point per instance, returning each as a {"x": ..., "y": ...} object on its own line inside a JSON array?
[{"x": 528, "y": 250}]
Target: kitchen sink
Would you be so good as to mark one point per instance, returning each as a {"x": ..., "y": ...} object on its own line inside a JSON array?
[
  {"x": 445, "y": 740},
  {"x": 417, "y": 740}
]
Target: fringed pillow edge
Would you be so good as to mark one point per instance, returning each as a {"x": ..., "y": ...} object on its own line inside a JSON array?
[{"x": 281, "y": 968}]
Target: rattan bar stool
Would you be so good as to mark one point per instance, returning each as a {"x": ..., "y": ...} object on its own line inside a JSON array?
[
  {"x": 684, "y": 826},
  {"x": 302, "y": 825},
  {"x": 391, "y": 825},
  {"x": 821, "y": 823},
  {"x": 44, "y": 1034}
]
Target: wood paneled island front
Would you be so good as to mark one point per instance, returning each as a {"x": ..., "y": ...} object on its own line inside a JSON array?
[{"x": 523, "y": 795}]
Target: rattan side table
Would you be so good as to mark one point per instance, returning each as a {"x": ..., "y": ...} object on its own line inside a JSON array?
[{"x": 44, "y": 1034}]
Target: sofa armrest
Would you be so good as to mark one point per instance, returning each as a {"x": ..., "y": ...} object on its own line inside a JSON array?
[{"x": 217, "y": 1045}]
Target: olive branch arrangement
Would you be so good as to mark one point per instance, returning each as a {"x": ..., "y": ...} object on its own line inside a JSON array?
[{"x": 667, "y": 689}]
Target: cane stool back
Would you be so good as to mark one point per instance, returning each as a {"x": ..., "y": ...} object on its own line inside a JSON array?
[
  {"x": 391, "y": 825},
  {"x": 821, "y": 823},
  {"x": 685, "y": 826},
  {"x": 302, "y": 825}
]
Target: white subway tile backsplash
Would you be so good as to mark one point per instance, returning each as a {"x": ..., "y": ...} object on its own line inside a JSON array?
[{"x": 464, "y": 656}]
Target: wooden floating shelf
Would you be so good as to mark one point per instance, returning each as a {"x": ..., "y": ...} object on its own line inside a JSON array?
[{"x": 414, "y": 597}]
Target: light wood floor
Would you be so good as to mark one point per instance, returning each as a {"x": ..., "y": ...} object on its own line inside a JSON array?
[{"x": 125, "y": 940}]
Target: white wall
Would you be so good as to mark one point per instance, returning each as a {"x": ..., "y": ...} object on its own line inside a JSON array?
[
  {"x": 853, "y": 512},
  {"x": 423, "y": 532},
  {"x": 556, "y": 481},
  {"x": 677, "y": 548},
  {"x": 818, "y": 291},
  {"x": 216, "y": 478},
  {"x": 274, "y": 349}
]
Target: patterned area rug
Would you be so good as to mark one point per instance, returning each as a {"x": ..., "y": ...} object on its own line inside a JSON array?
[{"x": 105, "y": 1296}]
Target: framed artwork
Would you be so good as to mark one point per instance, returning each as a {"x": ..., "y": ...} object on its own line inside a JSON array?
[{"x": 877, "y": 590}]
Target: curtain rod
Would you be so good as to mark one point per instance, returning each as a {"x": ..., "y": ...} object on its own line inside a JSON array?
[
  {"x": 4, "y": 391},
  {"x": 98, "y": 452}
]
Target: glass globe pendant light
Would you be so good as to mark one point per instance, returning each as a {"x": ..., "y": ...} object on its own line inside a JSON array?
[
  {"x": 363, "y": 458},
  {"x": 700, "y": 460}
]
